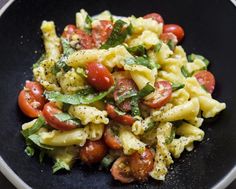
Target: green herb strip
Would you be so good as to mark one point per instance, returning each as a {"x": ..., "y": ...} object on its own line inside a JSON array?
[
  {"x": 137, "y": 50},
  {"x": 171, "y": 137},
  {"x": 88, "y": 24},
  {"x": 77, "y": 98},
  {"x": 118, "y": 35},
  {"x": 36, "y": 140},
  {"x": 146, "y": 90},
  {"x": 193, "y": 56},
  {"x": 177, "y": 86},
  {"x": 185, "y": 72},
  {"x": 60, "y": 165}
]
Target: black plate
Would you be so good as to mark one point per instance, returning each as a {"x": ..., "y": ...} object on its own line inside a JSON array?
[{"x": 210, "y": 29}]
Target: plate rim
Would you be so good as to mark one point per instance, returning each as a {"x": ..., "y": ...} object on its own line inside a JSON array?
[{"x": 20, "y": 184}]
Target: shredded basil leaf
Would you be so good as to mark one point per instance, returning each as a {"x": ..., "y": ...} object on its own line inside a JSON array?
[
  {"x": 171, "y": 137},
  {"x": 60, "y": 165},
  {"x": 171, "y": 44},
  {"x": 150, "y": 126},
  {"x": 135, "y": 111},
  {"x": 137, "y": 50},
  {"x": 157, "y": 47},
  {"x": 107, "y": 161},
  {"x": 64, "y": 117},
  {"x": 29, "y": 150},
  {"x": 127, "y": 94},
  {"x": 36, "y": 140},
  {"x": 141, "y": 60},
  {"x": 88, "y": 24},
  {"x": 193, "y": 56},
  {"x": 185, "y": 72},
  {"x": 146, "y": 90},
  {"x": 118, "y": 35},
  {"x": 37, "y": 63},
  {"x": 77, "y": 99},
  {"x": 177, "y": 86},
  {"x": 36, "y": 126}
]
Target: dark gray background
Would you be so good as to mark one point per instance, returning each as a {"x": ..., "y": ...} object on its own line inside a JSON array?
[{"x": 5, "y": 184}]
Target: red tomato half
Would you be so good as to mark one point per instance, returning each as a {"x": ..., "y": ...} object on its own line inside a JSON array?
[
  {"x": 124, "y": 87},
  {"x": 155, "y": 16},
  {"x": 141, "y": 164},
  {"x": 121, "y": 171},
  {"x": 175, "y": 29},
  {"x": 99, "y": 76},
  {"x": 31, "y": 100},
  {"x": 69, "y": 31},
  {"x": 166, "y": 37},
  {"x": 101, "y": 32},
  {"x": 123, "y": 119},
  {"x": 111, "y": 140},
  {"x": 93, "y": 151},
  {"x": 85, "y": 40},
  {"x": 206, "y": 79},
  {"x": 161, "y": 96},
  {"x": 49, "y": 112}
]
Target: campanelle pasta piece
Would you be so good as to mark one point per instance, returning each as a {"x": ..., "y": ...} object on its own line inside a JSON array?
[
  {"x": 188, "y": 110},
  {"x": 194, "y": 66},
  {"x": 140, "y": 125},
  {"x": 179, "y": 97},
  {"x": 130, "y": 142},
  {"x": 197, "y": 121},
  {"x": 51, "y": 41},
  {"x": 162, "y": 157},
  {"x": 94, "y": 131},
  {"x": 148, "y": 39},
  {"x": 28, "y": 125},
  {"x": 80, "y": 18},
  {"x": 44, "y": 75},
  {"x": 140, "y": 24},
  {"x": 70, "y": 81},
  {"x": 105, "y": 15},
  {"x": 88, "y": 114},
  {"x": 64, "y": 138},
  {"x": 163, "y": 53},
  {"x": 187, "y": 130},
  {"x": 210, "y": 107}
]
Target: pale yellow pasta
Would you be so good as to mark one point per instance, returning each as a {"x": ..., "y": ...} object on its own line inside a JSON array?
[
  {"x": 210, "y": 107},
  {"x": 179, "y": 97},
  {"x": 163, "y": 54},
  {"x": 94, "y": 131},
  {"x": 28, "y": 125},
  {"x": 149, "y": 137},
  {"x": 186, "y": 111},
  {"x": 194, "y": 66},
  {"x": 88, "y": 114},
  {"x": 51, "y": 41},
  {"x": 130, "y": 142},
  {"x": 140, "y": 125},
  {"x": 140, "y": 24},
  {"x": 44, "y": 75},
  {"x": 80, "y": 18},
  {"x": 105, "y": 15},
  {"x": 64, "y": 138},
  {"x": 162, "y": 157},
  {"x": 187, "y": 130},
  {"x": 197, "y": 121},
  {"x": 148, "y": 39},
  {"x": 70, "y": 81}
]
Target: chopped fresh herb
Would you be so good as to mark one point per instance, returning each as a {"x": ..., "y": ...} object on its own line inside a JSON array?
[
  {"x": 78, "y": 98},
  {"x": 119, "y": 112},
  {"x": 141, "y": 60},
  {"x": 135, "y": 111},
  {"x": 126, "y": 95},
  {"x": 61, "y": 63},
  {"x": 185, "y": 72},
  {"x": 118, "y": 35},
  {"x": 107, "y": 161},
  {"x": 177, "y": 86},
  {"x": 150, "y": 126},
  {"x": 37, "y": 63},
  {"x": 157, "y": 47},
  {"x": 88, "y": 24},
  {"x": 171, "y": 44},
  {"x": 68, "y": 118},
  {"x": 192, "y": 57},
  {"x": 60, "y": 165},
  {"x": 153, "y": 65},
  {"x": 171, "y": 137},
  {"x": 204, "y": 88},
  {"x": 36, "y": 140},
  {"x": 137, "y": 50},
  {"x": 65, "y": 107},
  {"x": 36, "y": 126},
  {"x": 146, "y": 90},
  {"x": 29, "y": 150}
]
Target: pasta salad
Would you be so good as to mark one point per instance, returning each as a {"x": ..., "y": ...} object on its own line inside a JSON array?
[{"x": 119, "y": 92}]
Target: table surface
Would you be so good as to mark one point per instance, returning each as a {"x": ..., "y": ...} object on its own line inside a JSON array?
[{"x": 4, "y": 183}]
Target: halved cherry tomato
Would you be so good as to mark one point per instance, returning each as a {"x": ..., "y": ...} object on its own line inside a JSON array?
[
  {"x": 69, "y": 31},
  {"x": 93, "y": 151},
  {"x": 166, "y": 37},
  {"x": 111, "y": 140},
  {"x": 141, "y": 164},
  {"x": 99, "y": 76},
  {"x": 101, "y": 32},
  {"x": 31, "y": 100},
  {"x": 49, "y": 112},
  {"x": 85, "y": 40},
  {"x": 121, "y": 171},
  {"x": 161, "y": 96},
  {"x": 175, "y": 29},
  {"x": 206, "y": 79},
  {"x": 124, "y": 87},
  {"x": 123, "y": 119},
  {"x": 155, "y": 16}
]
